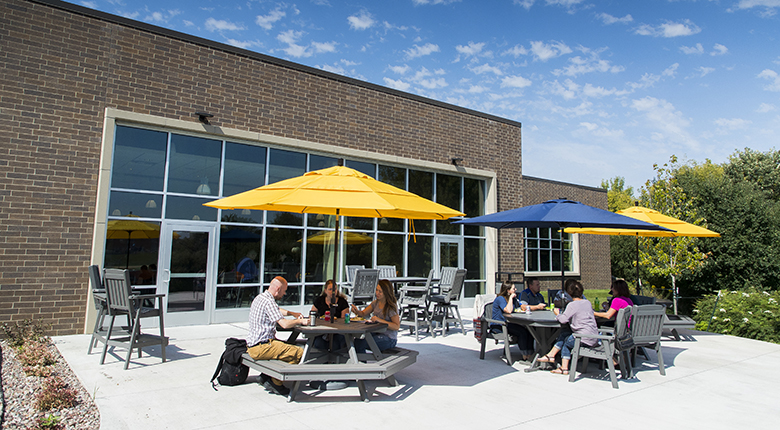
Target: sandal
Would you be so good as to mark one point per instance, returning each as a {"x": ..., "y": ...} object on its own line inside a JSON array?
[
  {"x": 560, "y": 371},
  {"x": 546, "y": 359}
]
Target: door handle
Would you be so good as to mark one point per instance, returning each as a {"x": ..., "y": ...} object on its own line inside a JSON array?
[{"x": 166, "y": 275}]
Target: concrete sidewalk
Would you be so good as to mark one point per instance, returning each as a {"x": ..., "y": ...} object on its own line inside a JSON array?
[{"x": 712, "y": 381}]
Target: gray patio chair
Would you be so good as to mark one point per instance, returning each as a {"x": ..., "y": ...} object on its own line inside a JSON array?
[
  {"x": 503, "y": 335},
  {"x": 101, "y": 305},
  {"x": 647, "y": 327},
  {"x": 350, "y": 273},
  {"x": 445, "y": 308},
  {"x": 605, "y": 351},
  {"x": 122, "y": 301},
  {"x": 387, "y": 272},
  {"x": 364, "y": 286},
  {"x": 642, "y": 300},
  {"x": 413, "y": 303}
]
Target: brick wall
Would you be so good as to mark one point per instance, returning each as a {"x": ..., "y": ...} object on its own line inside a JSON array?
[
  {"x": 63, "y": 65},
  {"x": 595, "y": 269}
]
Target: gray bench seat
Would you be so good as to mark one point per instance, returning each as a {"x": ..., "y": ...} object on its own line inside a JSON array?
[
  {"x": 394, "y": 360},
  {"x": 675, "y": 322}
]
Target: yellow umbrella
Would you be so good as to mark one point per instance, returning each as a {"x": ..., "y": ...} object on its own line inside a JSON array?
[
  {"x": 131, "y": 229},
  {"x": 681, "y": 228},
  {"x": 337, "y": 191},
  {"x": 350, "y": 238}
]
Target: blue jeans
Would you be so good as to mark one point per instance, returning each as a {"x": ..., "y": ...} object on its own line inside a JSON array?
[
  {"x": 565, "y": 343},
  {"x": 382, "y": 341},
  {"x": 322, "y": 342}
]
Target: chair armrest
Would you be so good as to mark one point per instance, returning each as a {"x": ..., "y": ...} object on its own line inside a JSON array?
[
  {"x": 145, "y": 296},
  {"x": 492, "y": 321},
  {"x": 592, "y": 336}
]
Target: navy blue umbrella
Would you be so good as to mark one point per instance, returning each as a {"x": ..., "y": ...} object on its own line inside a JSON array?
[{"x": 559, "y": 214}]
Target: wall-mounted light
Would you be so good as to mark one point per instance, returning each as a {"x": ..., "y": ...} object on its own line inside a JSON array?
[
  {"x": 116, "y": 212},
  {"x": 204, "y": 117},
  {"x": 151, "y": 204},
  {"x": 456, "y": 161}
]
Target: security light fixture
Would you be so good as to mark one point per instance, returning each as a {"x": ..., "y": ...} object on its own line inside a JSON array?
[
  {"x": 204, "y": 117},
  {"x": 456, "y": 161}
]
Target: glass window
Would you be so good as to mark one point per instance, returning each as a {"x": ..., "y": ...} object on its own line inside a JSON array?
[
  {"x": 473, "y": 258},
  {"x": 359, "y": 252},
  {"x": 239, "y": 254},
  {"x": 244, "y": 168},
  {"x": 319, "y": 255},
  {"x": 134, "y": 245},
  {"x": 245, "y": 216},
  {"x": 390, "y": 251},
  {"x": 419, "y": 259},
  {"x": 236, "y": 297},
  {"x": 356, "y": 222},
  {"x": 318, "y": 162},
  {"x": 396, "y": 177},
  {"x": 448, "y": 191},
  {"x": 139, "y": 159},
  {"x": 121, "y": 203},
  {"x": 189, "y": 208},
  {"x": 542, "y": 250},
  {"x": 285, "y": 165},
  {"x": 283, "y": 254},
  {"x": 421, "y": 183},
  {"x": 473, "y": 204},
  {"x": 194, "y": 167}
]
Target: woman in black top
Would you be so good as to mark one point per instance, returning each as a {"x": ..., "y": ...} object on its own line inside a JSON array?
[{"x": 321, "y": 305}]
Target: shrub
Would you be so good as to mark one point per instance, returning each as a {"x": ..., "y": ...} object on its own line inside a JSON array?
[
  {"x": 28, "y": 330},
  {"x": 751, "y": 313},
  {"x": 55, "y": 394},
  {"x": 48, "y": 422},
  {"x": 36, "y": 358}
]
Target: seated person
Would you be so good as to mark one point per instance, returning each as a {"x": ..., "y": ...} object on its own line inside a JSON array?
[
  {"x": 531, "y": 296},
  {"x": 385, "y": 310},
  {"x": 146, "y": 276},
  {"x": 507, "y": 301},
  {"x": 246, "y": 269},
  {"x": 579, "y": 316},
  {"x": 264, "y": 315},
  {"x": 620, "y": 299},
  {"x": 322, "y": 305},
  {"x": 562, "y": 297}
]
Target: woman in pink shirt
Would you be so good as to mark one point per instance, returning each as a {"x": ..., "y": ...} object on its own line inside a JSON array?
[{"x": 621, "y": 299}]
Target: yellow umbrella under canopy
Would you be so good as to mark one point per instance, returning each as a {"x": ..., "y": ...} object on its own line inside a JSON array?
[
  {"x": 337, "y": 191},
  {"x": 681, "y": 229},
  {"x": 328, "y": 237},
  {"x": 131, "y": 229}
]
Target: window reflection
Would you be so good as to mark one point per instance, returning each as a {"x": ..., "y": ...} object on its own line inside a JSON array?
[
  {"x": 419, "y": 259},
  {"x": 395, "y": 176},
  {"x": 194, "y": 165},
  {"x": 239, "y": 254},
  {"x": 282, "y": 254},
  {"x": 244, "y": 168},
  {"x": 390, "y": 250},
  {"x": 356, "y": 222},
  {"x": 285, "y": 165},
  {"x": 448, "y": 194},
  {"x": 188, "y": 208},
  {"x": 421, "y": 183},
  {"x": 473, "y": 204},
  {"x": 139, "y": 159},
  {"x": 122, "y": 203}
]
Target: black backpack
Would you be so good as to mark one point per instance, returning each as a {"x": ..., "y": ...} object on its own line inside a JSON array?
[{"x": 230, "y": 370}]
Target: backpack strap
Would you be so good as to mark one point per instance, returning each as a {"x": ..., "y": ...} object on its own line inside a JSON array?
[{"x": 216, "y": 372}]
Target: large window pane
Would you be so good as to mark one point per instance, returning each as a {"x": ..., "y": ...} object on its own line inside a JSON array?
[
  {"x": 474, "y": 258},
  {"x": 139, "y": 159},
  {"x": 239, "y": 254},
  {"x": 390, "y": 251},
  {"x": 318, "y": 162},
  {"x": 319, "y": 255},
  {"x": 283, "y": 258},
  {"x": 448, "y": 194},
  {"x": 189, "y": 208},
  {"x": 419, "y": 259},
  {"x": 542, "y": 250},
  {"x": 421, "y": 183},
  {"x": 244, "y": 168},
  {"x": 355, "y": 222},
  {"x": 396, "y": 177},
  {"x": 285, "y": 165},
  {"x": 142, "y": 205},
  {"x": 359, "y": 253},
  {"x": 194, "y": 167},
  {"x": 236, "y": 297},
  {"x": 473, "y": 204},
  {"x": 134, "y": 245},
  {"x": 245, "y": 216}
]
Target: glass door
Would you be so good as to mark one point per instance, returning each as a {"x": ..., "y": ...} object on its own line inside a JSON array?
[
  {"x": 187, "y": 269},
  {"x": 449, "y": 252}
]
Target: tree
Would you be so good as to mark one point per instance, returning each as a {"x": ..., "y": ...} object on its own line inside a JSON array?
[
  {"x": 621, "y": 248},
  {"x": 670, "y": 257},
  {"x": 762, "y": 169},
  {"x": 618, "y": 196}
]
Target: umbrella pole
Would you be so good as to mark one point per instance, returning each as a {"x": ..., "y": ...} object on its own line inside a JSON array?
[
  {"x": 563, "y": 269},
  {"x": 336, "y": 278},
  {"x": 638, "y": 286}
]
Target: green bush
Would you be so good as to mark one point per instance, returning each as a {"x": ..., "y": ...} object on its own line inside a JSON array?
[
  {"x": 751, "y": 313},
  {"x": 28, "y": 330},
  {"x": 55, "y": 394},
  {"x": 36, "y": 358}
]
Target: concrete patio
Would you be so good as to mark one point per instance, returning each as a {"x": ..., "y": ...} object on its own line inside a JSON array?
[{"x": 712, "y": 381}]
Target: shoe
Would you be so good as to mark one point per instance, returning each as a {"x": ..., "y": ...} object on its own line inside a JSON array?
[
  {"x": 560, "y": 371},
  {"x": 276, "y": 389},
  {"x": 546, "y": 359}
]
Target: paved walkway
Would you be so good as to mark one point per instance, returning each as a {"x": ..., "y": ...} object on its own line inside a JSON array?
[{"x": 712, "y": 382}]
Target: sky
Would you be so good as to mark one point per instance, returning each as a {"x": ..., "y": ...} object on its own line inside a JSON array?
[{"x": 603, "y": 89}]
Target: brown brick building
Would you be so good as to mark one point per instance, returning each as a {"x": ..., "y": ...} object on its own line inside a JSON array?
[{"x": 99, "y": 127}]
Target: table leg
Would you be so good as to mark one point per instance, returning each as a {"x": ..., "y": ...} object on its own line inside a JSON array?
[
  {"x": 542, "y": 336},
  {"x": 374, "y": 348},
  {"x": 307, "y": 348},
  {"x": 350, "y": 339}
]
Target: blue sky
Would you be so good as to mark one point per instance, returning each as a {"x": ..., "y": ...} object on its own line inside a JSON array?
[{"x": 602, "y": 88}]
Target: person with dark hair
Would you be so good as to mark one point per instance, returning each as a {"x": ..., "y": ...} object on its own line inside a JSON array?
[
  {"x": 531, "y": 296},
  {"x": 621, "y": 298},
  {"x": 322, "y": 305},
  {"x": 507, "y": 301},
  {"x": 579, "y": 316},
  {"x": 563, "y": 298},
  {"x": 385, "y": 310}
]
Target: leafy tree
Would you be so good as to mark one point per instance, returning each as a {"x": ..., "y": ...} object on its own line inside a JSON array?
[
  {"x": 762, "y": 169},
  {"x": 618, "y": 196},
  {"x": 622, "y": 249},
  {"x": 672, "y": 256}
]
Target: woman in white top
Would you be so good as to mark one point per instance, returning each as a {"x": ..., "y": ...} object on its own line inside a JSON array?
[{"x": 385, "y": 310}]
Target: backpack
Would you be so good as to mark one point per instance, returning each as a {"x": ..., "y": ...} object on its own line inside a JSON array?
[{"x": 230, "y": 371}]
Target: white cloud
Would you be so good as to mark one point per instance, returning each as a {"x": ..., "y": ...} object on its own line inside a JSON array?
[
  {"x": 221, "y": 25},
  {"x": 568, "y": 89},
  {"x": 671, "y": 70},
  {"x": 544, "y": 51},
  {"x": 477, "y": 89},
  {"x": 691, "y": 50},
  {"x": 89, "y": 4},
  {"x": 765, "y": 107},
  {"x": 608, "y": 19},
  {"x": 162, "y": 17},
  {"x": 669, "y": 29},
  {"x": 768, "y": 4},
  {"x": 732, "y": 123},
  {"x": 267, "y": 21},
  {"x": 433, "y": 83},
  {"x": 515, "y": 81},
  {"x": 419, "y": 51},
  {"x": 362, "y": 21},
  {"x": 772, "y": 77},
  {"x": 579, "y": 65},
  {"x": 704, "y": 71},
  {"x": 425, "y": 2},
  {"x": 290, "y": 38},
  {"x": 334, "y": 69},
  {"x": 669, "y": 124},
  {"x": 719, "y": 49},
  {"x": 486, "y": 68},
  {"x": 471, "y": 49},
  {"x": 244, "y": 44},
  {"x": 516, "y": 51},
  {"x": 601, "y": 132},
  {"x": 401, "y": 70},
  {"x": 397, "y": 84},
  {"x": 590, "y": 90},
  {"x": 320, "y": 47},
  {"x": 525, "y": 3}
]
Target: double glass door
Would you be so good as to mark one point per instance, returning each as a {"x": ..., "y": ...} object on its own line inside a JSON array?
[
  {"x": 187, "y": 270},
  {"x": 449, "y": 252}
]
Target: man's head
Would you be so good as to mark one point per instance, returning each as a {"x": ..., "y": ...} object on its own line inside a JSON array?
[
  {"x": 278, "y": 287},
  {"x": 533, "y": 284}
]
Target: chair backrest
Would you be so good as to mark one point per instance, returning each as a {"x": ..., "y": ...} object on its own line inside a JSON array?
[
  {"x": 622, "y": 322},
  {"x": 364, "y": 285},
  {"x": 642, "y": 300},
  {"x": 488, "y": 314},
  {"x": 351, "y": 272},
  {"x": 551, "y": 295},
  {"x": 386, "y": 272},
  {"x": 94, "y": 277},
  {"x": 457, "y": 285},
  {"x": 446, "y": 279},
  {"x": 416, "y": 295},
  {"x": 118, "y": 290},
  {"x": 647, "y": 323}
]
